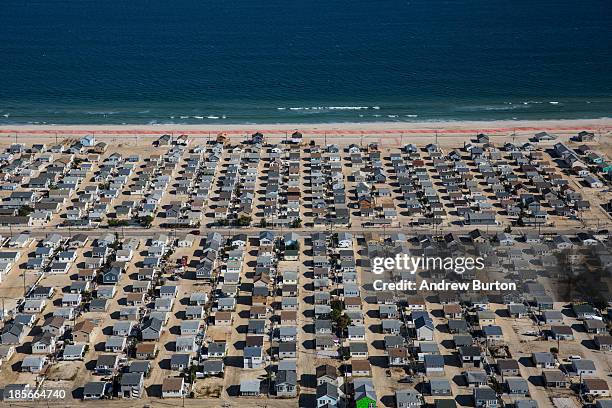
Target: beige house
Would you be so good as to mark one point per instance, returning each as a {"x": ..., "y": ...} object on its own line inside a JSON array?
[{"x": 83, "y": 331}]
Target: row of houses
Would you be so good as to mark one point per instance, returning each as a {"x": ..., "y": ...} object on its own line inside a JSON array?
[
  {"x": 327, "y": 186},
  {"x": 282, "y": 197}
]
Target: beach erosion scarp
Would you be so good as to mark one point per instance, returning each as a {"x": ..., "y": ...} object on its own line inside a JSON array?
[{"x": 603, "y": 126}]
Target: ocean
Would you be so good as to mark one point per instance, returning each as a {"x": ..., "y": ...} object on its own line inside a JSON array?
[{"x": 273, "y": 61}]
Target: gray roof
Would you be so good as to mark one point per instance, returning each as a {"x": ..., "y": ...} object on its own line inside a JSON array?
[
  {"x": 153, "y": 324},
  {"x": 115, "y": 341},
  {"x": 198, "y": 296},
  {"x": 439, "y": 384},
  {"x": 32, "y": 361},
  {"x": 122, "y": 325},
  {"x": 544, "y": 357},
  {"x": 528, "y": 404},
  {"x": 97, "y": 303},
  {"x": 394, "y": 341},
  {"x": 553, "y": 314},
  {"x": 139, "y": 366},
  {"x": 287, "y": 301},
  {"x": 492, "y": 330},
  {"x": 484, "y": 394},
  {"x": 327, "y": 389},
  {"x": 131, "y": 379},
  {"x": 95, "y": 388},
  {"x": 215, "y": 366},
  {"x": 517, "y": 384},
  {"x": 190, "y": 325},
  {"x": 583, "y": 365},
  {"x": 257, "y": 324},
  {"x": 168, "y": 289},
  {"x": 286, "y": 377},
  {"x": 429, "y": 347},
  {"x": 74, "y": 349},
  {"x": 471, "y": 351},
  {"x": 359, "y": 347},
  {"x": 476, "y": 376},
  {"x": 462, "y": 340},
  {"x": 407, "y": 397},
  {"x": 107, "y": 360},
  {"x": 391, "y": 324},
  {"x": 184, "y": 340},
  {"x": 288, "y": 330},
  {"x": 287, "y": 347},
  {"x": 287, "y": 364},
  {"x": 457, "y": 325},
  {"x": 434, "y": 361},
  {"x": 180, "y": 359},
  {"x": 250, "y": 386},
  {"x": 252, "y": 351},
  {"x": 216, "y": 347},
  {"x": 364, "y": 388},
  {"x": 517, "y": 308}
]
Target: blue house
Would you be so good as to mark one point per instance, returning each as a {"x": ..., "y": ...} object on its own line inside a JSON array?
[
  {"x": 111, "y": 276},
  {"x": 88, "y": 141}
]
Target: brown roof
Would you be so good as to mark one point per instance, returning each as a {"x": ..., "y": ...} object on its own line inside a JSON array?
[
  {"x": 54, "y": 321},
  {"x": 562, "y": 329},
  {"x": 146, "y": 348},
  {"x": 265, "y": 278},
  {"x": 553, "y": 375},
  {"x": 84, "y": 326},
  {"x": 352, "y": 301},
  {"x": 415, "y": 300},
  {"x": 595, "y": 384},
  {"x": 452, "y": 308},
  {"x": 382, "y": 297},
  {"x": 86, "y": 272},
  {"x": 254, "y": 340},
  {"x": 223, "y": 315},
  {"x": 605, "y": 339},
  {"x": 131, "y": 297},
  {"x": 398, "y": 352},
  {"x": 508, "y": 364},
  {"x": 328, "y": 370},
  {"x": 361, "y": 365},
  {"x": 172, "y": 384},
  {"x": 258, "y": 309},
  {"x": 364, "y": 204},
  {"x": 288, "y": 315}
]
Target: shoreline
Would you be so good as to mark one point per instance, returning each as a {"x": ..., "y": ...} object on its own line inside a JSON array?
[{"x": 602, "y": 125}]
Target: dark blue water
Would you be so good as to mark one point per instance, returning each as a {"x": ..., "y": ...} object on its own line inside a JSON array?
[{"x": 198, "y": 61}]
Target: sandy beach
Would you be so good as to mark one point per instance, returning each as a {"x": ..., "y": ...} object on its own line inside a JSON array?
[
  {"x": 393, "y": 133},
  {"x": 467, "y": 127}
]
